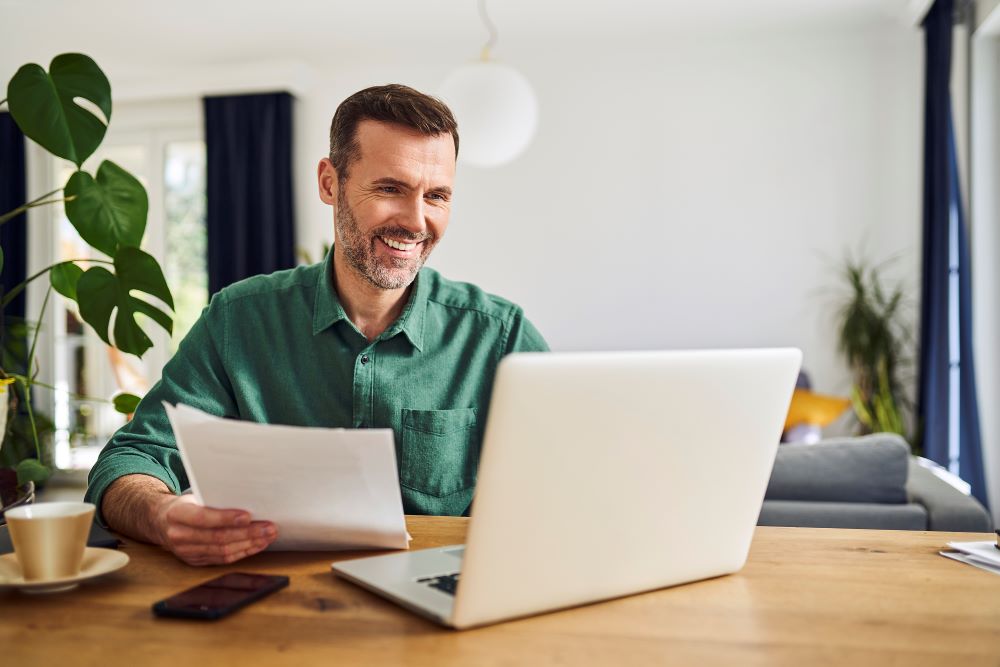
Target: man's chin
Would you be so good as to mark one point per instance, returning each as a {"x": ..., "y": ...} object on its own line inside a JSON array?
[{"x": 393, "y": 278}]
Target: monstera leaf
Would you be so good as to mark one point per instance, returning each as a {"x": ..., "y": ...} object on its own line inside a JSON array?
[
  {"x": 101, "y": 293},
  {"x": 31, "y": 470},
  {"x": 126, "y": 403},
  {"x": 109, "y": 211},
  {"x": 44, "y": 105},
  {"x": 64, "y": 277}
]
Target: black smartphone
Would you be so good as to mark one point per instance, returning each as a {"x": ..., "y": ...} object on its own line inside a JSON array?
[{"x": 220, "y": 596}]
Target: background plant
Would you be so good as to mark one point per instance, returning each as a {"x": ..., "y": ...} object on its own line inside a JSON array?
[
  {"x": 66, "y": 110},
  {"x": 876, "y": 341}
]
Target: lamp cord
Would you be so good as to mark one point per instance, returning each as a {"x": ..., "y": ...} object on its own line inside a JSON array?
[{"x": 491, "y": 42}]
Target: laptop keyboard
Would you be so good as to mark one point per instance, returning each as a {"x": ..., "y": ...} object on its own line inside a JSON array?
[{"x": 446, "y": 583}]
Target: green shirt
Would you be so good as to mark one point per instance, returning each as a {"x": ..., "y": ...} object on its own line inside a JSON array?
[{"x": 280, "y": 349}]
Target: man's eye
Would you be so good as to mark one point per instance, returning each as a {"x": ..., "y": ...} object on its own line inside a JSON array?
[
  {"x": 389, "y": 189},
  {"x": 437, "y": 196}
]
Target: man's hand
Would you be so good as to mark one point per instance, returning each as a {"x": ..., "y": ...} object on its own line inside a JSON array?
[
  {"x": 205, "y": 536},
  {"x": 143, "y": 507}
]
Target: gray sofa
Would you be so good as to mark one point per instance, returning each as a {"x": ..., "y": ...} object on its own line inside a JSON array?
[{"x": 865, "y": 482}]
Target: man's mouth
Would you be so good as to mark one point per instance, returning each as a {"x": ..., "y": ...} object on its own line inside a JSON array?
[{"x": 398, "y": 245}]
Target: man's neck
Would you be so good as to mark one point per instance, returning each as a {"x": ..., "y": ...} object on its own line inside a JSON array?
[{"x": 370, "y": 308}]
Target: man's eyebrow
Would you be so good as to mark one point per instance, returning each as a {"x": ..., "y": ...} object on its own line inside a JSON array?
[{"x": 389, "y": 180}]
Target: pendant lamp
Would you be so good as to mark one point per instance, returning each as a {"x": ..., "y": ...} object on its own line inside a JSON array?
[{"x": 495, "y": 106}]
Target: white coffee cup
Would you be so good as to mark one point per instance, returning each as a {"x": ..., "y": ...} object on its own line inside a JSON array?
[{"x": 50, "y": 538}]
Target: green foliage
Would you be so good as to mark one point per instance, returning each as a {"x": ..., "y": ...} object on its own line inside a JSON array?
[
  {"x": 875, "y": 342},
  {"x": 43, "y": 104},
  {"x": 31, "y": 470},
  {"x": 109, "y": 211},
  {"x": 63, "y": 277},
  {"x": 101, "y": 292},
  {"x": 19, "y": 441},
  {"x": 126, "y": 403}
]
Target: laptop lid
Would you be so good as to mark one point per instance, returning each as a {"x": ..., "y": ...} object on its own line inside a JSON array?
[{"x": 606, "y": 474}]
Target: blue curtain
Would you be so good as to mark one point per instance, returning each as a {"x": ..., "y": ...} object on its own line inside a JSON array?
[
  {"x": 14, "y": 241},
  {"x": 942, "y": 206},
  {"x": 249, "y": 213},
  {"x": 14, "y": 233}
]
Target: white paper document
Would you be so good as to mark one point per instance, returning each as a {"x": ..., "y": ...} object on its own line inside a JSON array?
[
  {"x": 983, "y": 555},
  {"x": 324, "y": 488},
  {"x": 985, "y": 551},
  {"x": 970, "y": 560}
]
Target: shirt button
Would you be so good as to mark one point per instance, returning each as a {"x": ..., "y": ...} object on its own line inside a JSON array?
[{"x": 364, "y": 358}]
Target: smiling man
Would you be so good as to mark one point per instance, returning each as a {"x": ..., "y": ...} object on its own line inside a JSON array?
[{"x": 369, "y": 338}]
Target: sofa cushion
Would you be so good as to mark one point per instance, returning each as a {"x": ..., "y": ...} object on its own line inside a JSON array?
[
  {"x": 868, "y": 469},
  {"x": 805, "y": 513}
]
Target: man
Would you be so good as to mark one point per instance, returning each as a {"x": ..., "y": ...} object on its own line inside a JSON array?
[{"x": 367, "y": 338}]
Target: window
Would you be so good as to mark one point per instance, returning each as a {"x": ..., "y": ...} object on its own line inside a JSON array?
[{"x": 167, "y": 154}]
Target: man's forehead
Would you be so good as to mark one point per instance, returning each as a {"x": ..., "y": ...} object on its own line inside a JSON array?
[
  {"x": 379, "y": 140},
  {"x": 390, "y": 147}
]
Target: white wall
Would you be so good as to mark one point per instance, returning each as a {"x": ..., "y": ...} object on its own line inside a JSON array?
[
  {"x": 696, "y": 194},
  {"x": 697, "y": 191}
]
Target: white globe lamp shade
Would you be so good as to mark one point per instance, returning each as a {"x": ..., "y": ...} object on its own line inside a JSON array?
[{"x": 496, "y": 110}]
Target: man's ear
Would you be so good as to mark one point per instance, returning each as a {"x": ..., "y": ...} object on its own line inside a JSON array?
[{"x": 326, "y": 177}]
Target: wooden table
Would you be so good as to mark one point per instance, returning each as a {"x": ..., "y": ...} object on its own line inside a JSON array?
[{"x": 806, "y": 597}]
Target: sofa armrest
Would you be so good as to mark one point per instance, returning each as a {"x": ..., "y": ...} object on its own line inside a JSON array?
[{"x": 947, "y": 508}]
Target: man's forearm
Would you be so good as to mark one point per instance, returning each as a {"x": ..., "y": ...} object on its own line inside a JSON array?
[{"x": 131, "y": 505}]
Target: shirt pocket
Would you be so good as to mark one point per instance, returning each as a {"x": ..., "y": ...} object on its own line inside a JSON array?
[{"x": 439, "y": 452}]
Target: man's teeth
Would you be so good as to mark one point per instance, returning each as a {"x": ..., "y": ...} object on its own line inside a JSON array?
[{"x": 397, "y": 245}]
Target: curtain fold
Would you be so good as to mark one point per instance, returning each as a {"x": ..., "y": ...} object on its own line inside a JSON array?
[
  {"x": 249, "y": 213},
  {"x": 14, "y": 241},
  {"x": 941, "y": 335},
  {"x": 13, "y": 193},
  {"x": 970, "y": 461}
]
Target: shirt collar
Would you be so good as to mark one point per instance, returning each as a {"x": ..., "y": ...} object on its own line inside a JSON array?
[{"x": 327, "y": 309}]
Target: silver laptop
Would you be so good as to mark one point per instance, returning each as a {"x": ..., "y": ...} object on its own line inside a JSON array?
[{"x": 603, "y": 475}]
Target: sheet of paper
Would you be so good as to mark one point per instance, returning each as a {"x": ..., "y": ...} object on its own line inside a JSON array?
[
  {"x": 325, "y": 489},
  {"x": 971, "y": 560},
  {"x": 984, "y": 551}
]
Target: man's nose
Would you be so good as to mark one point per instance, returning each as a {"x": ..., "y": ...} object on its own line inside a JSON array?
[{"x": 412, "y": 218}]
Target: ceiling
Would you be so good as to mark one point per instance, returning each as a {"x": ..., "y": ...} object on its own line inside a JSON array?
[{"x": 210, "y": 32}]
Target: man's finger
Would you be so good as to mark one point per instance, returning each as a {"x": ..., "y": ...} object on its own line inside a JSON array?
[
  {"x": 207, "y": 554},
  {"x": 179, "y": 533},
  {"x": 206, "y": 517}
]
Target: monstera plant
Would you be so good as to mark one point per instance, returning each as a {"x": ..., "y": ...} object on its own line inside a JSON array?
[{"x": 66, "y": 111}]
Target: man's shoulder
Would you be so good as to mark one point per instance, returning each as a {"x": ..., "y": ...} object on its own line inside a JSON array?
[
  {"x": 462, "y": 296},
  {"x": 272, "y": 286}
]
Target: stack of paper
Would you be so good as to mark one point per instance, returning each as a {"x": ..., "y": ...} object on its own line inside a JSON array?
[
  {"x": 323, "y": 488},
  {"x": 984, "y": 555}
]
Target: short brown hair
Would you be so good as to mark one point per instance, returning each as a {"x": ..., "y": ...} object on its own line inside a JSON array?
[{"x": 392, "y": 103}]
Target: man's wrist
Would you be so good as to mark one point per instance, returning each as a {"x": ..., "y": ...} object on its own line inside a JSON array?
[{"x": 134, "y": 505}]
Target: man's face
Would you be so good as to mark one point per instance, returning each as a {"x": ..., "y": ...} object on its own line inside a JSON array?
[{"x": 394, "y": 206}]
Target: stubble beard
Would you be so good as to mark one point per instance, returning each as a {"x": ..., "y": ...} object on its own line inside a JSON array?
[{"x": 384, "y": 273}]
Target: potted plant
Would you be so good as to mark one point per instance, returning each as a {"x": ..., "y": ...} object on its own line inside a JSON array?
[
  {"x": 876, "y": 343},
  {"x": 107, "y": 208}
]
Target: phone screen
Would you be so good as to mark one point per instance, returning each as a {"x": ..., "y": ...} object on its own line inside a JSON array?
[{"x": 220, "y": 596}]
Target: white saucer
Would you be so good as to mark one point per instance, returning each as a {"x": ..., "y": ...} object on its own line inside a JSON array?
[{"x": 95, "y": 563}]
